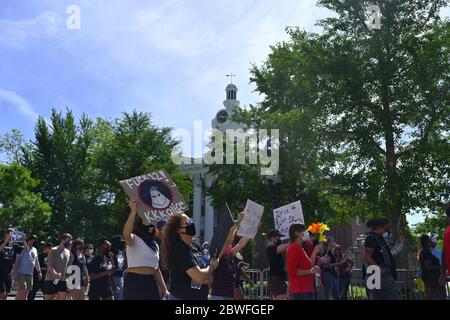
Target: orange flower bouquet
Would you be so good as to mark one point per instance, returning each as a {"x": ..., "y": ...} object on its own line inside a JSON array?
[{"x": 318, "y": 229}]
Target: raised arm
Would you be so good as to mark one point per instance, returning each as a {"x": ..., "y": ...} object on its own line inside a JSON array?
[
  {"x": 129, "y": 224},
  {"x": 231, "y": 234}
]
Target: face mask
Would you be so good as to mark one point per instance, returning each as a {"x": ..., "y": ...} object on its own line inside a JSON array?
[
  {"x": 278, "y": 242},
  {"x": 190, "y": 229},
  {"x": 386, "y": 235},
  {"x": 306, "y": 236},
  {"x": 66, "y": 244}
]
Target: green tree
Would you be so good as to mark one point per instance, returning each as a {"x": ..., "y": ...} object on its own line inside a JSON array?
[
  {"x": 20, "y": 206},
  {"x": 376, "y": 104}
]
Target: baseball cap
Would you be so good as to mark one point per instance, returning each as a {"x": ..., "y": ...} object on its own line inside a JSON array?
[{"x": 273, "y": 233}]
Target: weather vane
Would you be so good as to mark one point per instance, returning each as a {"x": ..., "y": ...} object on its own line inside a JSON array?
[{"x": 231, "y": 75}]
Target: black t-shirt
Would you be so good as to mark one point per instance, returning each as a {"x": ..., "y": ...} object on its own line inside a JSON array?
[
  {"x": 330, "y": 254},
  {"x": 378, "y": 245},
  {"x": 426, "y": 254},
  {"x": 101, "y": 285},
  {"x": 184, "y": 257},
  {"x": 7, "y": 257},
  {"x": 276, "y": 262}
]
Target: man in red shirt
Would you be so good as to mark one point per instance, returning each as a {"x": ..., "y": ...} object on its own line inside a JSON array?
[
  {"x": 300, "y": 267},
  {"x": 446, "y": 251}
]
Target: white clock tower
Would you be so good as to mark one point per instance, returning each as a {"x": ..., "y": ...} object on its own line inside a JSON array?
[{"x": 222, "y": 120}]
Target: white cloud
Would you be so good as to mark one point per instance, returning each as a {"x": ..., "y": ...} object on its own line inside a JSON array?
[
  {"x": 18, "y": 34},
  {"x": 18, "y": 102}
]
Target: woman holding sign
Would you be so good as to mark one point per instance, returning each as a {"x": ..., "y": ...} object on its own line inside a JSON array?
[
  {"x": 143, "y": 276},
  {"x": 224, "y": 276},
  {"x": 189, "y": 277},
  {"x": 301, "y": 268}
]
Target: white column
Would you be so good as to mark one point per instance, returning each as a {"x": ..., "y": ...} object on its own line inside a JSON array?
[
  {"x": 197, "y": 214},
  {"x": 209, "y": 215}
]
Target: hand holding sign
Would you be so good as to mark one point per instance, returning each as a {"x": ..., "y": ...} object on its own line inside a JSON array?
[
  {"x": 287, "y": 215},
  {"x": 249, "y": 225},
  {"x": 157, "y": 195}
]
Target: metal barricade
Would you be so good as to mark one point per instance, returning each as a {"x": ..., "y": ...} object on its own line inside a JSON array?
[
  {"x": 253, "y": 292},
  {"x": 265, "y": 288}
]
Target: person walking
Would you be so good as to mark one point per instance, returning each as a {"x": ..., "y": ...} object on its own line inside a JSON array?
[
  {"x": 100, "y": 271},
  {"x": 143, "y": 279},
  {"x": 275, "y": 251},
  {"x": 118, "y": 249},
  {"x": 39, "y": 284},
  {"x": 301, "y": 268},
  {"x": 189, "y": 278},
  {"x": 23, "y": 268},
  {"x": 7, "y": 258},
  {"x": 430, "y": 270},
  {"x": 378, "y": 253},
  {"x": 79, "y": 260},
  {"x": 59, "y": 259}
]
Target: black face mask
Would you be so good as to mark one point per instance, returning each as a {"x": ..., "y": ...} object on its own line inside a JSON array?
[
  {"x": 278, "y": 242},
  {"x": 190, "y": 229}
]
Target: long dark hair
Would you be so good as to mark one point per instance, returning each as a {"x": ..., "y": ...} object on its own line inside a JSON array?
[
  {"x": 143, "y": 232},
  {"x": 73, "y": 249},
  {"x": 170, "y": 236}
]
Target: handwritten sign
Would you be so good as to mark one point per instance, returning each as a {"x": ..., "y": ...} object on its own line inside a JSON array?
[
  {"x": 249, "y": 225},
  {"x": 157, "y": 196},
  {"x": 287, "y": 215}
]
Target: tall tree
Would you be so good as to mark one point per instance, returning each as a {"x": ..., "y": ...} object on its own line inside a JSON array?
[{"x": 379, "y": 102}]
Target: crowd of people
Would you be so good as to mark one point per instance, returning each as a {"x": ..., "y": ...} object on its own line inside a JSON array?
[{"x": 163, "y": 261}]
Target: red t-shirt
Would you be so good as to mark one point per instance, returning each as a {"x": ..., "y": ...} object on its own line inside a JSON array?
[
  {"x": 447, "y": 248},
  {"x": 298, "y": 259}
]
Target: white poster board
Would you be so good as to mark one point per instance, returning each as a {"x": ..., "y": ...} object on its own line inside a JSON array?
[
  {"x": 249, "y": 225},
  {"x": 287, "y": 215}
]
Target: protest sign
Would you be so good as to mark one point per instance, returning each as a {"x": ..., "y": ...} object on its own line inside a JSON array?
[
  {"x": 225, "y": 222},
  {"x": 249, "y": 226},
  {"x": 287, "y": 215},
  {"x": 157, "y": 196}
]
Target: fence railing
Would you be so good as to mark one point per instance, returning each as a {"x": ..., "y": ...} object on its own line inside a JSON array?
[{"x": 409, "y": 284}]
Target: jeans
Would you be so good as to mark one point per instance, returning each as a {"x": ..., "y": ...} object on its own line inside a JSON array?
[
  {"x": 303, "y": 296},
  {"x": 118, "y": 293},
  {"x": 330, "y": 286},
  {"x": 343, "y": 284}
]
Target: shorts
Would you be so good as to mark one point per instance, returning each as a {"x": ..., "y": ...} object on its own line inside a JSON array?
[
  {"x": 50, "y": 288},
  {"x": 5, "y": 282},
  {"x": 277, "y": 286},
  {"x": 24, "y": 281},
  {"x": 107, "y": 293}
]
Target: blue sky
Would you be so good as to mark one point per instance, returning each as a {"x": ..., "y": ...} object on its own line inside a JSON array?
[{"x": 166, "y": 57}]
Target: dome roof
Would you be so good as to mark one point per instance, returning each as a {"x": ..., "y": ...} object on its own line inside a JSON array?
[{"x": 231, "y": 87}]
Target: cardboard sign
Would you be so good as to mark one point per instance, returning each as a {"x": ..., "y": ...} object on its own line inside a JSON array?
[
  {"x": 157, "y": 196},
  {"x": 253, "y": 214},
  {"x": 287, "y": 215},
  {"x": 225, "y": 222}
]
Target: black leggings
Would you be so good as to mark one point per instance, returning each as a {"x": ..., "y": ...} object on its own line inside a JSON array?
[{"x": 140, "y": 287}]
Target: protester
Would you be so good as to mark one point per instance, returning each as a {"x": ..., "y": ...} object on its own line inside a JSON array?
[
  {"x": 89, "y": 253},
  {"x": 430, "y": 267},
  {"x": 222, "y": 287},
  {"x": 39, "y": 284},
  {"x": 143, "y": 277},
  {"x": 445, "y": 269},
  {"x": 238, "y": 274},
  {"x": 7, "y": 258},
  {"x": 59, "y": 258},
  {"x": 100, "y": 271},
  {"x": 159, "y": 234},
  {"x": 118, "y": 247},
  {"x": 343, "y": 267},
  {"x": 188, "y": 280},
  {"x": 330, "y": 287},
  {"x": 301, "y": 268},
  {"x": 23, "y": 268},
  {"x": 277, "y": 273},
  {"x": 378, "y": 253},
  {"x": 79, "y": 260}
]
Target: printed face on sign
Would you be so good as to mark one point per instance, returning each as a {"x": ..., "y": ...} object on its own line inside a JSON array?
[{"x": 155, "y": 194}]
